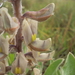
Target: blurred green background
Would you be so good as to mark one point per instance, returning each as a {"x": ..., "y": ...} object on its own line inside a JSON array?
[{"x": 60, "y": 27}]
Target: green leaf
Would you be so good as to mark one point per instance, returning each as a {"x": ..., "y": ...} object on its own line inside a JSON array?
[
  {"x": 11, "y": 58},
  {"x": 51, "y": 70},
  {"x": 69, "y": 66},
  {"x": 58, "y": 72}
]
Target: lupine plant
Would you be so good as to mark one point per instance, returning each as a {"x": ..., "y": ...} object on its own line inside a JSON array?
[
  {"x": 21, "y": 29},
  {"x": 18, "y": 36}
]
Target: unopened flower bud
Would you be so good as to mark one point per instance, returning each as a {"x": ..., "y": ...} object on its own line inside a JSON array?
[
  {"x": 42, "y": 14},
  {"x": 20, "y": 64},
  {"x": 9, "y": 24},
  {"x": 29, "y": 30},
  {"x": 41, "y": 45},
  {"x": 43, "y": 56}
]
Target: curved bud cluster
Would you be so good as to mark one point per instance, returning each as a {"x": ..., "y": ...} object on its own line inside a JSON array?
[
  {"x": 29, "y": 32},
  {"x": 29, "y": 27}
]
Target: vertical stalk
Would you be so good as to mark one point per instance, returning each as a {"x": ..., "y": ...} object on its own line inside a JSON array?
[{"x": 17, "y": 7}]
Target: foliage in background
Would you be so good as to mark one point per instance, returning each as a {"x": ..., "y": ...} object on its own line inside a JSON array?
[{"x": 66, "y": 69}]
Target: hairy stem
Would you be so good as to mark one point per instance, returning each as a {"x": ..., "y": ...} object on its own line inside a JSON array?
[{"x": 17, "y": 7}]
